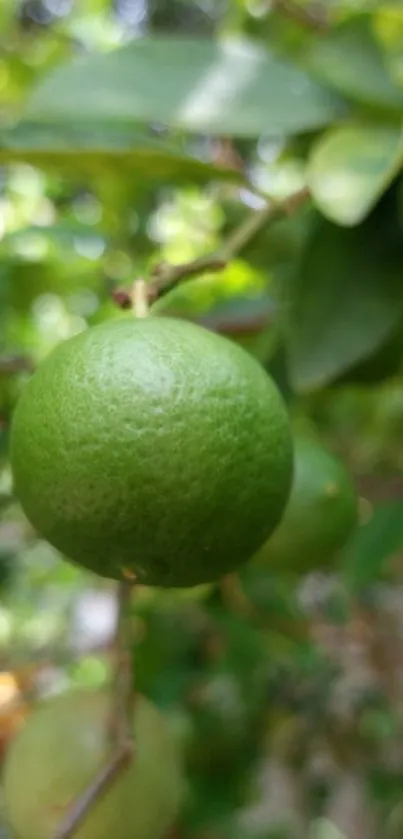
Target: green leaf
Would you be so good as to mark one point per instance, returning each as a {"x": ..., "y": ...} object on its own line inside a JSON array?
[
  {"x": 351, "y": 166},
  {"x": 373, "y": 543},
  {"x": 231, "y": 88},
  {"x": 350, "y": 60},
  {"x": 346, "y": 299},
  {"x": 90, "y": 150}
]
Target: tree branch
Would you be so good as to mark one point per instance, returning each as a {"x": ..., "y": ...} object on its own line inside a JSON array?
[
  {"x": 119, "y": 723},
  {"x": 309, "y": 16},
  {"x": 165, "y": 277},
  {"x": 10, "y": 364},
  {"x": 123, "y": 687},
  {"x": 104, "y": 778}
]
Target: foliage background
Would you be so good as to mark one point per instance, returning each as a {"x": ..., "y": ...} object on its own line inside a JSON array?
[{"x": 286, "y": 693}]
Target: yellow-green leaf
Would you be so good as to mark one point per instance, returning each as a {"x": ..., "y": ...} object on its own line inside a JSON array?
[
  {"x": 351, "y": 60},
  {"x": 351, "y": 166}
]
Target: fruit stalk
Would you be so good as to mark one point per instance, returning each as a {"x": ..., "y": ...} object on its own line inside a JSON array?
[
  {"x": 123, "y": 684},
  {"x": 122, "y": 746},
  {"x": 165, "y": 276},
  {"x": 104, "y": 778},
  {"x": 312, "y": 17}
]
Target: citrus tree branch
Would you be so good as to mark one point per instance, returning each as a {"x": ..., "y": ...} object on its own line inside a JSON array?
[
  {"x": 164, "y": 277},
  {"x": 10, "y": 364},
  {"x": 312, "y": 17},
  {"x": 258, "y": 219},
  {"x": 102, "y": 781},
  {"x": 123, "y": 688}
]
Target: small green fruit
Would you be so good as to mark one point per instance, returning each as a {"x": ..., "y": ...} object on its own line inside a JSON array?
[
  {"x": 59, "y": 751},
  {"x": 319, "y": 517}
]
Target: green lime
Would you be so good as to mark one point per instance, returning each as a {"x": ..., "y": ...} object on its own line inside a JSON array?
[
  {"x": 153, "y": 447},
  {"x": 59, "y": 751},
  {"x": 320, "y": 515}
]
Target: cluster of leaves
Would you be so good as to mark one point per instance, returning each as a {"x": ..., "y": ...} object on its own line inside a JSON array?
[{"x": 133, "y": 133}]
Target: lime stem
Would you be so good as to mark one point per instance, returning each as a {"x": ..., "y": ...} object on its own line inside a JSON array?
[
  {"x": 104, "y": 778},
  {"x": 165, "y": 276},
  {"x": 311, "y": 17},
  {"x": 139, "y": 298},
  {"x": 119, "y": 724},
  {"x": 123, "y": 683}
]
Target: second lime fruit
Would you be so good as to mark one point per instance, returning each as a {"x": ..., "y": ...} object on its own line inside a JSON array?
[
  {"x": 319, "y": 517},
  {"x": 57, "y": 754}
]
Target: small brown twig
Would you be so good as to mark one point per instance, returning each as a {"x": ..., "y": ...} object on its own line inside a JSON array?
[
  {"x": 226, "y": 155},
  {"x": 119, "y": 724},
  {"x": 139, "y": 298},
  {"x": 273, "y": 211},
  {"x": 122, "y": 298},
  {"x": 10, "y": 364},
  {"x": 165, "y": 277},
  {"x": 92, "y": 793},
  {"x": 123, "y": 687},
  {"x": 312, "y": 17}
]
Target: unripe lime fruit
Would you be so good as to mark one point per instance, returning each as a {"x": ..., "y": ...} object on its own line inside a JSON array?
[
  {"x": 152, "y": 446},
  {"x": 57, "y": 754},
  {"x": 320, "y": 515}
]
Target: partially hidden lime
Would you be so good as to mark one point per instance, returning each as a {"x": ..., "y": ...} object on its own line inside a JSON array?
[
  {"x": 57, "y": 754},
  {"x": 319, "y": 517}
]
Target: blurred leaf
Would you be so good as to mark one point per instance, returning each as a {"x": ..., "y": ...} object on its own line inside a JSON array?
[
  {"x": 347, "y": 297},
  {"x": 388, "y": 25},
  {"x": 350, "y": 60},
  {"x": 350, "y": 167},
  {"x": 91, "y": 149},
  {"x": 325, "y": 829},
  {"x": 373, "y": 543},
  {"x": 233, "y": 87},
  {"x": 273, "y": 594},
  {"x": 212, "y": 800},
  {"x": 62, "y": 236}
]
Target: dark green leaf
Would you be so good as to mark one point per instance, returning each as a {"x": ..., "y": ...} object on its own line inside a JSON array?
[
  {"x": 380, "y": 539},
  {"x": 91, "y": 150},
  {"x": 232, "y": 88},
  {"x": 347, "y": 297},
  {"x": 350, "y": 59}
]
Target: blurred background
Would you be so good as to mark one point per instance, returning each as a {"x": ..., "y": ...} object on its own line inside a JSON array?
[{"x": 180, "y": 119}]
